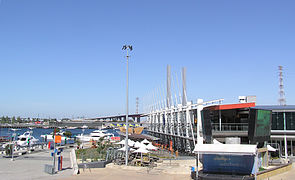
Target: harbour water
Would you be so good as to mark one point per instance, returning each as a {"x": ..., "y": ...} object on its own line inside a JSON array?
[{"x": 37, "y": 132}]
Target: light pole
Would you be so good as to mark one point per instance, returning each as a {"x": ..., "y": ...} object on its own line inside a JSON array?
[{"x": 127, "y": 48}]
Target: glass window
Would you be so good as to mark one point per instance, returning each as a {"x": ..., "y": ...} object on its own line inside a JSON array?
[
  {"x": 274, "y": 121},
  {"x": 280, "y": 121},
  {"x": 293, "y": 120},
  {"x": 288, "y": 120}
]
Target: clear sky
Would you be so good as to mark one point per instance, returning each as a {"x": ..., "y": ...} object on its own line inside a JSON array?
[{"x": 63, "y": 58}]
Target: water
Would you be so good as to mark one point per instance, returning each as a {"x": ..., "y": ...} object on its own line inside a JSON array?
[{"x": 37, "y": 132}]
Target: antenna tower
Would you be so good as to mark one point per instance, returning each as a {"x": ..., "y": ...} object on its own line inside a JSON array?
[{"x": 282, "y": 99}]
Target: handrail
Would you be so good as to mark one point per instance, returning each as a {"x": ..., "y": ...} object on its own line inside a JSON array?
[{"x": 230, "y": 127}]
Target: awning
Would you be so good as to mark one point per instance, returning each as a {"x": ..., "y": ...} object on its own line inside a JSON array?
[{"x": 237, "y": 149}]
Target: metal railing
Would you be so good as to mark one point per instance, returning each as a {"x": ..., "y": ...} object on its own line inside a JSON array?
[{"x": 230, "y": 127}]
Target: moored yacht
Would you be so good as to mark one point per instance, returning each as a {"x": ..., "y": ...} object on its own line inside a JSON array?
[
  {"x": 95, "y": 135},
  {"x": 49, "y": 137},
  {"x": 26, "y": 139}
]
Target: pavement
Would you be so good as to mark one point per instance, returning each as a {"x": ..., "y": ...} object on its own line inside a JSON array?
[
  {"x": 289, "y": 175},
  {"x": 31, "y": 166},
  {"x": 174, "y": 170}
]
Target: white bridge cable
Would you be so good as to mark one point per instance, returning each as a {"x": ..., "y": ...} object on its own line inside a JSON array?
[
  {"x": 180, "y": 98},
  {"x": 175, "y": 90},
  {"x": 190, "y": 121}
]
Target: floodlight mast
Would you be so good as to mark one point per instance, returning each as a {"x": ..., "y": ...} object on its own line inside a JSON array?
[{"x": 127, "y": 48}]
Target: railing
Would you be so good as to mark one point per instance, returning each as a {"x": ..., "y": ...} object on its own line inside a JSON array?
[{"x": 230, "y": 127}]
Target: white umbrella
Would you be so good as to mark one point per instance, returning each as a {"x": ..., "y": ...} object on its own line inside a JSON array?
[
  {"x": 124, "y": 148},
  {"x": 142, "y": 146},
  {"x": 151, "y": 147},
  {"x": 130, "y": 142},
  {"x": 216, "y": 142},
  {"x": 145, "y": 141},
  {"x": 121, "y": 142},
  {"x": 269, "y": 148},
  {"x": 137, "y": 144},
  {"x": 141, "y": 150}
]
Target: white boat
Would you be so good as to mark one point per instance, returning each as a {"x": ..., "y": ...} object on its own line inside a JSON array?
[
  {"x": 95, "y": 135},
  {"x": 84, "y": 127},
  {"x": 26, "y": 139},
  {"x": 71, "y": 127},
  {"x": 49, "y": 137}
]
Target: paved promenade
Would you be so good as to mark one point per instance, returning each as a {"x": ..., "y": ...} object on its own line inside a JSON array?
[
  {"x": 289, "y": 175},
  {"x": 31, "y": 166},
  {"x": 176, "y": 170}
]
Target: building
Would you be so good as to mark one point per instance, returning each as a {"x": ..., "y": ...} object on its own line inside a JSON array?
[
  {"x": 232, "y": 120},
  {"x": 279, "y": 114}
]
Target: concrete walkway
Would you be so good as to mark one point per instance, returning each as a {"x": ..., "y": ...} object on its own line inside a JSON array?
[
  {"x": 289, "y": 175},
  {"x": 176, "y": 170},
  {"x": 31, "y": 166}
]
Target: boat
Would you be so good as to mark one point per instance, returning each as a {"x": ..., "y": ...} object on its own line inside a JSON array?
[
  {"x": 84, "y": 127},
  {"x": 26, "y": 139},
  {"x": 4, "y": 139},
  {"x": 95, "y": 135},
  {"x": 71, "y": 127},
  {"x": 49, "y": 137}
]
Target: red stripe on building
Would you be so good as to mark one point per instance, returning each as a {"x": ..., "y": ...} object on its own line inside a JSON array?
[{"x": 231, "y": 106}]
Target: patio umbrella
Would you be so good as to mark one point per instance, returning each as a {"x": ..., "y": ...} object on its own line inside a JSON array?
[
  {"x": 121, "y": 142},
  {"x": 141, "y": 150},
  {"x": 145, "y": 141},
  {"x": 124, "y": 148},
  {"x": 151, "y": 147},
  {"x": 130, "y": 142},
  {"x": 137, "y": 144},
  {"x": 269, "y": 148}
]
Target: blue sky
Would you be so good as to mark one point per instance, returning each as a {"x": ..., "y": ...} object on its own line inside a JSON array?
[{"x": 64, "y": 58}]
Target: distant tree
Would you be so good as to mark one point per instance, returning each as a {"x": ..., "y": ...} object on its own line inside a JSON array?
[
  {"x": 13, "y": 120},
  {"x": 18, "y": 119},
  {"x": 7, "y": 119},
  {"x": 2, "y": 119}
]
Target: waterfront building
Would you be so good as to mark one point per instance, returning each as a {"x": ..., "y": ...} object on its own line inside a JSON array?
[{"x": 228, "y": 122}]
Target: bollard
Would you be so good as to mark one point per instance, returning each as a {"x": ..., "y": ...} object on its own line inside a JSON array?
[{"x": 60, "y": 163}]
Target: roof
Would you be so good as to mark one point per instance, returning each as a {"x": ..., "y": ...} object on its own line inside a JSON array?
[
  {"x": 277, "y": 107},
  {"x": 231, "y": 106},
  {"x": 238, "y": 149}
]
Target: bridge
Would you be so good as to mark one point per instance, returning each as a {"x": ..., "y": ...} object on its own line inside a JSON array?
[{"x": 134, "y": 117}]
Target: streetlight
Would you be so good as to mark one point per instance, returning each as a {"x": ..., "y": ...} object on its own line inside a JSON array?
[{"x": 127, "y": 48}]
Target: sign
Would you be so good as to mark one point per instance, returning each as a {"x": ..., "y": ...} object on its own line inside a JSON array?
[
  {"x": 57, "y": 139},
  {"x": 259, "y": 126}
]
